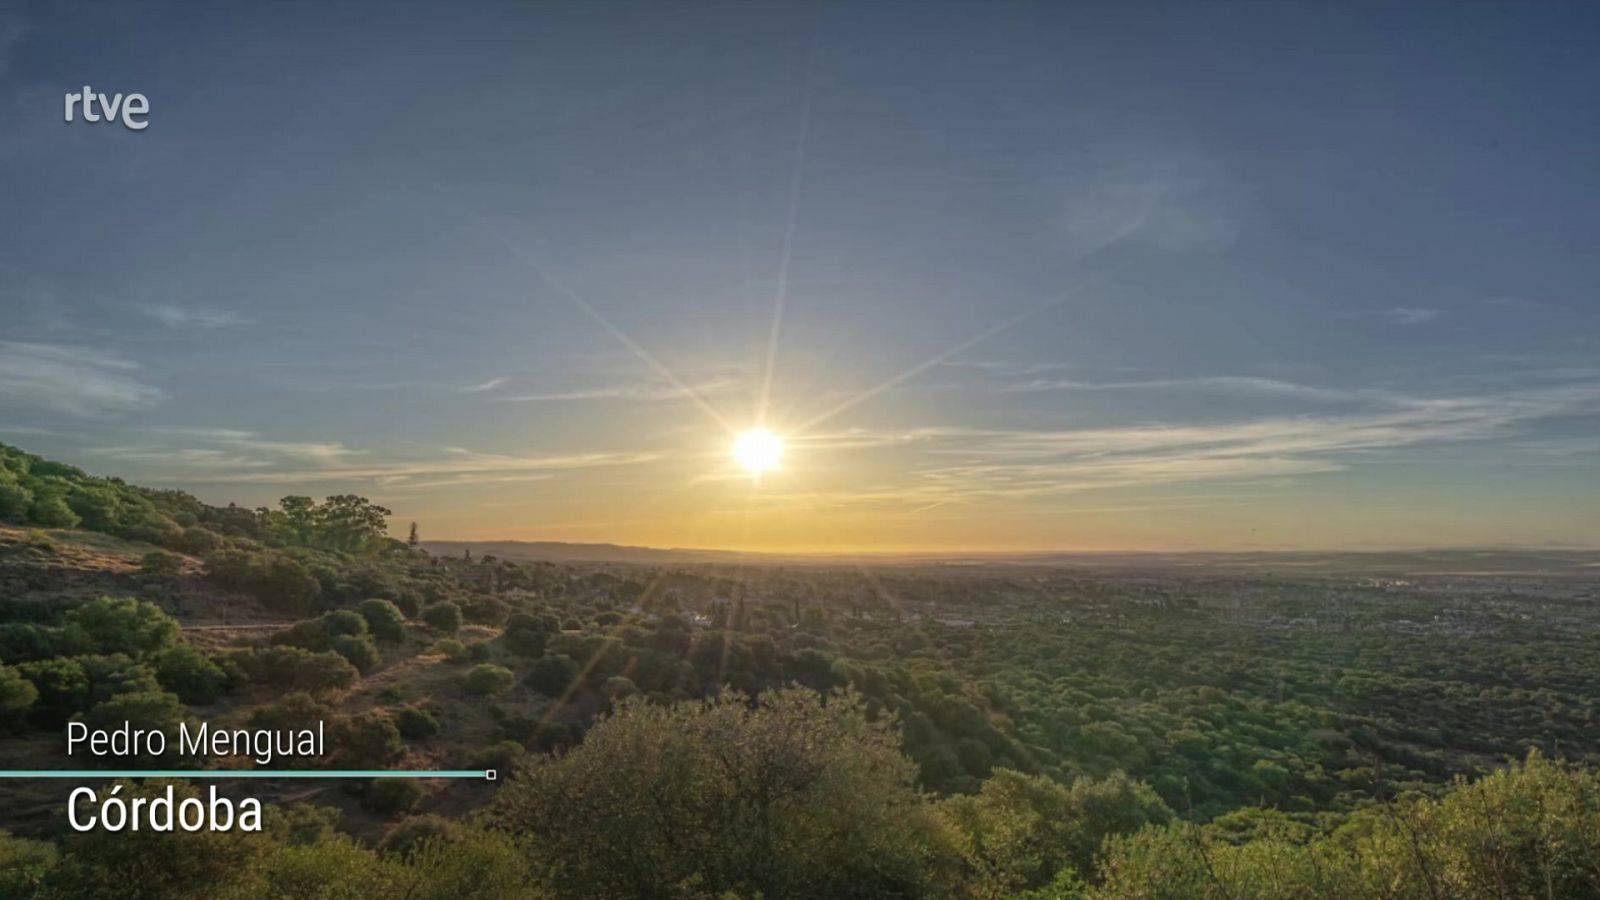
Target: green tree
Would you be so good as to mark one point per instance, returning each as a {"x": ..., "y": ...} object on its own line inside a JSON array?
[
  {"x": 487, "y": 679},
  {"x": 63, "y": 688},
  {"x": 384, "y": 619},
  {"x": 51, "y": 511},
  {"x": 123, "y": 625},
  {"x": 17, "y": 695},
  {"x": 784, "y": 796},
  {"x": 445, "y": 617},
  {"x": 553, "y": 676},
  {"x": 189, "y": 672},
  {"x": 147, "y": 710}
]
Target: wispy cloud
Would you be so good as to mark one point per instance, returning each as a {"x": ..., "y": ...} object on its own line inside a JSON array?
[
  {"x": 223, "y": 455},
  {"x": 1166, "y": 202},
  {"x": 1408, "y": 315},
  {"x": 965, "y": 464},
  {"x": 489, "y": 385},
  {"x": 1215, "y": 384},
  {"x": 76, "y": 380},
  {"x": 456, "y": 468},
  {"x": 648, "y": 392},
  {"x": 174, "y": 316}
]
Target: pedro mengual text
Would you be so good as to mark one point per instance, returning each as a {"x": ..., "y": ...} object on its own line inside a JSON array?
[{"x": 103, "y": 808}]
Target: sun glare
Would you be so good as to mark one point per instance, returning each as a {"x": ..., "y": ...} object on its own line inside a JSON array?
[{"x": 758, "y": 450}]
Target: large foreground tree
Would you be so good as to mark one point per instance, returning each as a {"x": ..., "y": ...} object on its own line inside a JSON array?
[{"x": 790, "y": 795}]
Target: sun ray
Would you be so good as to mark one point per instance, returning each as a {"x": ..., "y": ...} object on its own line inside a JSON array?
[
  {"x": 780, "y": 296},
  {"x": 600, "y": 319},
  {"x": 949, "y": 352}
]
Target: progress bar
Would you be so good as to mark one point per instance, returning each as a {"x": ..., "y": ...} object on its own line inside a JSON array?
[{"x": 481, "y": 774}]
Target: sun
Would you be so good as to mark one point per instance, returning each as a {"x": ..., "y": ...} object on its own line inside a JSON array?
[{"x": 758, "y": 450}]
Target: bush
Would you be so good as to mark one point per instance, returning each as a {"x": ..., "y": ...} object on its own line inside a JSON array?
[
  {"x": 188, "y": 672},
  {"x": 452, "y": 650},
  {"x": 391, "y": 796},
  {"x": 445, "y": 617},
  {"x": 17, "y": 695},
  {"x": 414, "y": 722},
  {"x": 52, "y": 511},
  {"x": 500, "y": 756},
  {"x": 298, "y": 669},
  {"x": 294, "y": 712},
  {"x": 21, "y": 642},
  {"x": 24, "y": 863},
  {"x": 369, "y": 740},
  {"x": 149, "y": 710},
  {"x": 122, "y": 625},
  {"x": 525, "y": 641},
  {"x": 383, "y": 619},
  {"x": 197, "y": 541},
  {"x": 14, "y": 501},
  {"x": 161, "y": 564},
  {"x": 553, "y": 676},
  {"x": 63, "y": 688},
  {"x": 487, "y": 679},
  {"x": 805, "y": 767},
  {"x": 360, "y": 651}
]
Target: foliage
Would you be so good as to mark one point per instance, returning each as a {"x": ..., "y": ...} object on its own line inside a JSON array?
[
  {"x": 383, "y": 619},
  {"x": 17, "y": 695},
  {"x": 487, "y": 679},
  {"x": 190, "y": 673},
  {"x": 821, "y": 800},
  {"x": 445, "y": 617},
  {"x": 391, "y": 796},
  {"x": 415, "y": 723},
  {"x": 121, "y": 625}
]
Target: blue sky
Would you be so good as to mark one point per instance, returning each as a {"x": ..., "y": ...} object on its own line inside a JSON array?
[{"x": 1050, "y": 275}]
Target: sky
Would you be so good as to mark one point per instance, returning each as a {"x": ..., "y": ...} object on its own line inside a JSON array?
[{"x": 1003, "y": 276}]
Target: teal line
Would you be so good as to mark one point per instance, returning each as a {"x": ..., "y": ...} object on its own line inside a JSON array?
[{"x": 244, "y": 773}]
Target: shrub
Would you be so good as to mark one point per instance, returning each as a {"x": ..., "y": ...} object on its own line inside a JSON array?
[
  {"x": 298, "y": 669},
  {"x": 123, "y": 625},
  {"x": 445, "y": 617},
  {"x": 452, "y": 650},
  {"x": 359, "y": 650},
  {"x": 20, "y": 642},
  {"x": 63, "y": 689},
  {"x": 148, "y": 710},
  {"x": 17, "y": 695},
  {"x": 368, "y": 740},
  {"x": 52, "y": 511},
  {"x": 14, "y": 500},
  {"x": 161, "y": 564},
  {"x": 383, "y": 619},
  {"x": 553, "y": 676},
  {"x": 487, "y": 679},
  {"x": 197, "y": 541},
  {"x": 391, "y": 796},
  {"x": 415, "y": 723},
  {"x": 500, "y": 756},
  {"x": 188, "y": 672}
]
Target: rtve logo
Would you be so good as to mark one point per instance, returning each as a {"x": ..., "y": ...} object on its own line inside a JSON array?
[{"x": 99, "y": 107}]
